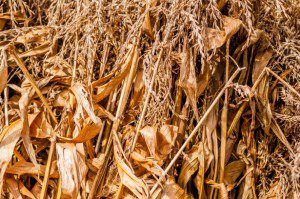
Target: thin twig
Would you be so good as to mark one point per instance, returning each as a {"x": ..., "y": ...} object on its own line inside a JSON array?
[
  {"x": 282, "y": 75},
  {"x": 284, "y": 82}
]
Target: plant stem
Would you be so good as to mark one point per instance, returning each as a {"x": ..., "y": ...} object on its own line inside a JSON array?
[
  {"x": 224, "y": 118},
  {"x": 47, "y": 171}
]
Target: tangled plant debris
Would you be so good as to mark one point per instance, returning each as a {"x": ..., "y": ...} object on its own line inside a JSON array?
[{"x": 149, "y": 99}]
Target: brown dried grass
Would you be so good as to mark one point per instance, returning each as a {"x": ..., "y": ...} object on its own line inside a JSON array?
[{"x": 149, "y": 99}]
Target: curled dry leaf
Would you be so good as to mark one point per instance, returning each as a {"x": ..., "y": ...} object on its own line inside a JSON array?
[
  {"x": 187, "y": 79},
  {"x": 40, "y": 127},
  {"x": 189, "y": 166},
  {"x": 149, "y": 163},
  {"x": 72, "y": 169},
  {"x": 28, "y": 168},
  {"x": 8, "y": 139},
  {"x": 261, "y": 61},
  {"x": 82, "y": 100},
  {"x": 231, "y": 26},
  {"x": 88, "y": 132},
  {"x": 159, "y": 142},
  {"x": 128, "y": 179},
  {"x": 107, "y": 88},
  {"x": 171, "y": 190},
  {"x": 214, "y": 38}
]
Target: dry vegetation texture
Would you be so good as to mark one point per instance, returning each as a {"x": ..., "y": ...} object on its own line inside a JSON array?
[{"x": 150, "y": 99}]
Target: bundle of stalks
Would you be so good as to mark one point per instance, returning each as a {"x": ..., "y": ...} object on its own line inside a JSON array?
[{"x": 149, "y": 99}]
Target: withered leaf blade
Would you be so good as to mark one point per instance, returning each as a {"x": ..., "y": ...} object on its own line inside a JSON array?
[
  {"x": 106, "y": 89},
  {"x": 233, "y": 170},
  {"x": 172, "y": 190},
  {"x": 278, "y": 132},
  {"x": 88, "y": 132},
  {"x": 231, "y": 26},
  {"x": 260, "y": 62},
  {"x": 13, "y": 187},
  {"x": 82, "y": 100},
  {"x": 265, "y": 112},
  {"x": 25, "y": 191},
  {"x": 128, "y": 179},
  {"x": 8, "y": 139},
  {"x": 23, "y": 104},
  {"x": 39, "y": 50},
  {"x": 147, "y": 28},
  {"x": 160, "y": 142},
  {"x": 199, "y": 179},
  {"x": 22, "y": 168},
  {"x": 72, "y": 169},
  {"x": 254, "y": 37},
  {"x": 189, "y": 167},
  {"x": 40, "y": 127}
]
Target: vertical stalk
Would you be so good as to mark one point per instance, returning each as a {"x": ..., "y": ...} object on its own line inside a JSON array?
[
  {"x": 224, "y": 118},
  {"x": 58, "y": 192},
  {"x": 98, "y": 182},
  {"x": 6, "y": 106},
  {"x": 47, "y": 171}
]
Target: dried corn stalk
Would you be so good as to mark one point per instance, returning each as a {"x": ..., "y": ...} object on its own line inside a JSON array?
[{"x": 149, "y": 99}]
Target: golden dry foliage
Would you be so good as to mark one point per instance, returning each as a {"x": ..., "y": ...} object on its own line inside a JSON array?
[{"x": 150, "y": 99}]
